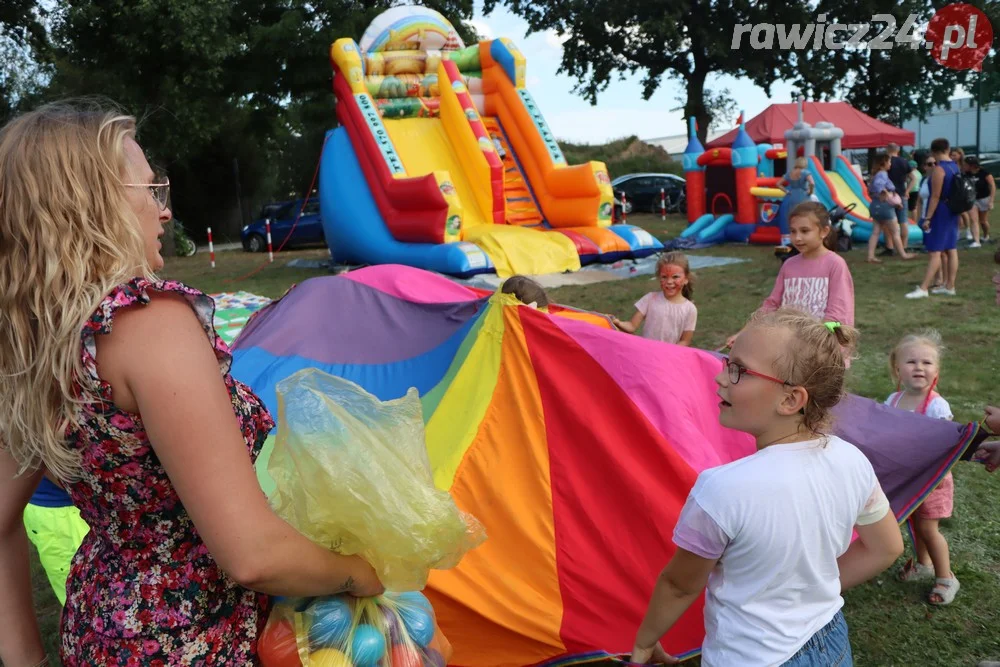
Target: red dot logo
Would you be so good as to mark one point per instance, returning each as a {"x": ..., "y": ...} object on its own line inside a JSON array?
[{"x": 959, "y": 36}]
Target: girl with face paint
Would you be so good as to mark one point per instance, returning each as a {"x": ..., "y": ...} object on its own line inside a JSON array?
[{"x": 668, "y": 315}]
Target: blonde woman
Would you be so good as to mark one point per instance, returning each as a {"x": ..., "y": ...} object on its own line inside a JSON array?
[
  {"x": 798, "y": 186},
  {"x": 113, "y": 383}
]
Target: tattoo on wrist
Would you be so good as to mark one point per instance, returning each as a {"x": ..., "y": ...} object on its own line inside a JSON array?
[{"x": 346, "y": 587}]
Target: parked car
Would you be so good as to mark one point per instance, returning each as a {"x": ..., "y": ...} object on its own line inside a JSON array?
[
  {"x": 307, "y": 231},
  {"x": 642, "y": 191}
]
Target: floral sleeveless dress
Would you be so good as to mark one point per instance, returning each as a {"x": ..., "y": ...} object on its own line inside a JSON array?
[{"x": 143, "y": 589}]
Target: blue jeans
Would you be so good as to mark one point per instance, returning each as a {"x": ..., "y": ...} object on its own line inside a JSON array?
[
  {"x": 902, "y": 215},
  {"x": 829, "y": 647}
]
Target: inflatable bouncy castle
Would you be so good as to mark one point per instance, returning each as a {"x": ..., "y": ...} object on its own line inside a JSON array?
[
  {"x": 443, "y": 161},
  {"x": 732, "y": 192}
]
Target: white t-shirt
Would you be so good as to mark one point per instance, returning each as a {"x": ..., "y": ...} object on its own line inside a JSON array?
[
  {"x": 777, "y": 521},
  {"x": 666, "y": 321},
  {"x": 937, "y": 408}
]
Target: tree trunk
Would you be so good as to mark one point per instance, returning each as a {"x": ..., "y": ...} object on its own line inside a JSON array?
[{"x": 695, "y": 105}]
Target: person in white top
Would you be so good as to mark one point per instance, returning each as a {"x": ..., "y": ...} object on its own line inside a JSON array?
[
  {"x": 770, "y": 535},
  {"x": 915, "y": 364},
  {"x": 668, "y": 315}
]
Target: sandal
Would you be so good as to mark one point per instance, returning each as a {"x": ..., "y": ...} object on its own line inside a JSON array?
[
  {"x": 946, "y": 588},
  {"x": 916, "y": 571}
]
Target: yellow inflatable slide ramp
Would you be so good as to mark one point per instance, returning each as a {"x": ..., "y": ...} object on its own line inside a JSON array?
[
  {"x": 846, "y": 195},
  {"x": 424, "y": 147},
  {"x": 523, "y": 250}
]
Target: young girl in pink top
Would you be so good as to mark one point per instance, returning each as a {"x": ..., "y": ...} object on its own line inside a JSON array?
[
  {"x": 817, "y": 280},
  {"x": 915, "y": 366},
  {"x": 667, "y": 315}
]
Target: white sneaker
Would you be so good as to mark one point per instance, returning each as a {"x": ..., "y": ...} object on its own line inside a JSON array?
[
  {"x": 975, "y": 244},
  {"x": 918, "y": 293},
  {"x": 943, "y": 290},
  {"x": 968, "y": 236}
]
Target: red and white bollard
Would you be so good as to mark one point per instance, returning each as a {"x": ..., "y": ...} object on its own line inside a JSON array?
[
  {"x": 211, "y": 248},
  {"x": 663, "y": 204},
  {"x": 270, "y": 250},
  {"x": 624, "y": 202}
]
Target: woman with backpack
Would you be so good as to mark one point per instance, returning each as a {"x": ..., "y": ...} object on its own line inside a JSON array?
[{"x": 940, "y": 222}]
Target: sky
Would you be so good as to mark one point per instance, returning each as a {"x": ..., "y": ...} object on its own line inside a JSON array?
[{"x": 620, "y": 110}]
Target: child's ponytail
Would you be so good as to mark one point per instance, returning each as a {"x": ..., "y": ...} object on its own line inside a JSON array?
[{"x": 815, "y": 359}]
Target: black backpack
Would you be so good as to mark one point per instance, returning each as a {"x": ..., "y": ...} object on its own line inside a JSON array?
[{"x": 963, "y": 194}]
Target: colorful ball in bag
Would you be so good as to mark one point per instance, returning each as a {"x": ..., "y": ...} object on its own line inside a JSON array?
[
  {"x": 406, "y": 656},
  {"x": 415, "y": 599},
  {"x": 277, "y": 647},
  {"x": 419, "y": 624},
  {"x": 331, "y": 623},
  {"x": 393, "y": 624},
  {"x": 433, "y": 659},
  {"x": 328, "y": 657},
  {"x": 368, "y": 646}
]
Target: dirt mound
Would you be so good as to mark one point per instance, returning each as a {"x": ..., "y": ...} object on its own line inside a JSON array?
[
  {"x": 640, "y": 149},
  {"x": 623, "y": 156}
]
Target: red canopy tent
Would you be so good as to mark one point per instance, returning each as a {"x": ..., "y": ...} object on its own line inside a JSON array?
[{"x": 860, "y": 130}]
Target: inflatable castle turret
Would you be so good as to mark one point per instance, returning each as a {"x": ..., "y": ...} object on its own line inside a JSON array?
[
  {"x": 802, "y": 139},
  {"x": 744, "y": 158},
  {"x": 694, "y": 173}
]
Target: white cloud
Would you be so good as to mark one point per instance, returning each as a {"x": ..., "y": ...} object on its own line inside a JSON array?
[
  {"x": 532, "y": 81},
  {"x": 604, "y": 123},
  {"x": 483, "y": 28},
  {"x": 554, "y": 40}
]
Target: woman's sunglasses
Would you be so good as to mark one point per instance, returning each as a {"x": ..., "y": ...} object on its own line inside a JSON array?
[{"x": 160, "y": 191}]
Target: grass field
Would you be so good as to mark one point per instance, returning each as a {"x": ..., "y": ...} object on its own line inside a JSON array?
[{"x": 890, "y": 622}]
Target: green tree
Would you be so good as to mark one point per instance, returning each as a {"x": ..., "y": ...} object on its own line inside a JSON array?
[
  {"x": 23, "y": 45},
  {"x": 677, "y": 39},
  {"x": 234, "y": 96},
  {"x": 892, "y": 84}
]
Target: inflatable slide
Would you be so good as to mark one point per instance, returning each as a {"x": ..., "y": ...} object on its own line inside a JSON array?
[
  {"x": 843, "y": 186},
  {"x": 442, "y": 161}
]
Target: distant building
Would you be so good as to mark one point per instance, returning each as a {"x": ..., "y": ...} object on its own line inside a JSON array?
[
  {"x": 957, "y": 124},
  {"x": 675, "y": 144}
]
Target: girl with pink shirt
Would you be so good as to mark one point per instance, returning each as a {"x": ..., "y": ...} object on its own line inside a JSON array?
[
  {"x": 667, "y": 315},
  {"x": 817, "y": 280}
]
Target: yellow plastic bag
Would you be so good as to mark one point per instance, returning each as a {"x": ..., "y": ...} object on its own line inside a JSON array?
[{"x": 352, "y": 474}]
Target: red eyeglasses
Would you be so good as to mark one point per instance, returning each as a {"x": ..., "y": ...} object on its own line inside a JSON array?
[{"x": 736, "y": 371}]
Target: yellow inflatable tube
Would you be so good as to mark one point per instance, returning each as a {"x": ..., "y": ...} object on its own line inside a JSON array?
[{"x": 772, "y": 193}]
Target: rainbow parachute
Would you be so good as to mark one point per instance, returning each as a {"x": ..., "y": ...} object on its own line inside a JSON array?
[{"x": 574, "y": 445}]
